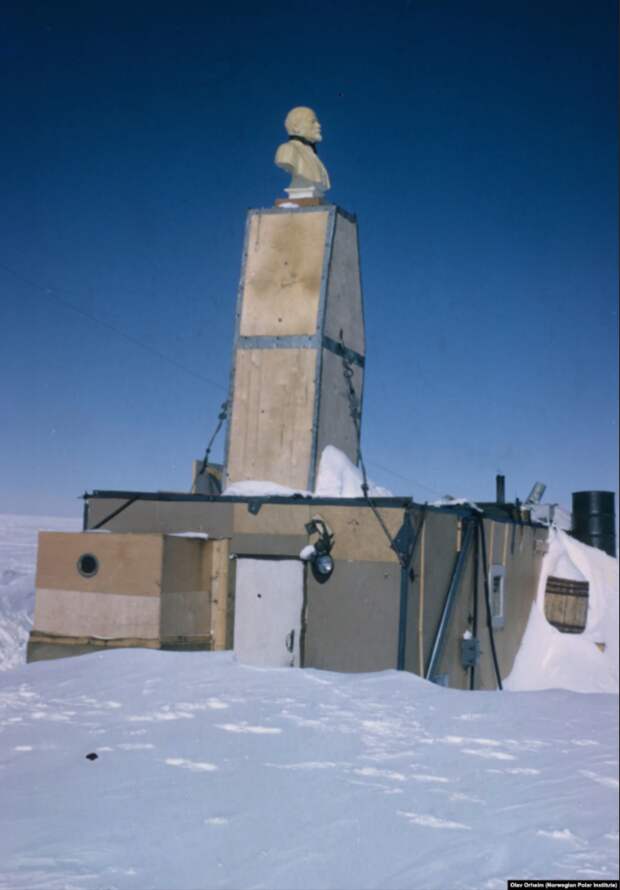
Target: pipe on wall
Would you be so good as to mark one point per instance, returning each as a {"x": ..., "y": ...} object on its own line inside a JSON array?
[{"x": 449, "y": 602}]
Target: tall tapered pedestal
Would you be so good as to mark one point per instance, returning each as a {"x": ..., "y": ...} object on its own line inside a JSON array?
[{"x": 299, "y": 300}]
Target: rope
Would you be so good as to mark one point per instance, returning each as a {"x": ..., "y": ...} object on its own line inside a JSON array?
[
  {"x": 220, "y": 422},
  {"x": 355, "y": 413},
  {"x": 56, "y": 295}
]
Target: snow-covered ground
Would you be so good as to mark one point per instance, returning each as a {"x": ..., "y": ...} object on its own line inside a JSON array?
[{"x": 212, "y": 774}]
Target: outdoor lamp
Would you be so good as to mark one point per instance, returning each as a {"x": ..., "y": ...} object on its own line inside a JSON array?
[{"x": 321, "y": 561}]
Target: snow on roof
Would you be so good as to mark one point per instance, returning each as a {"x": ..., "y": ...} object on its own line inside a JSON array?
[{"x": 337, "y": 477}]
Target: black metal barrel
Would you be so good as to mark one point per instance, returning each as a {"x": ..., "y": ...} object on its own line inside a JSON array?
[{"x": 594, "y": 519}]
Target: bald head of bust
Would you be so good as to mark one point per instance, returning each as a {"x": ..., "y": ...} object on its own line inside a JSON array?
[{"x": 302, "y": 121}]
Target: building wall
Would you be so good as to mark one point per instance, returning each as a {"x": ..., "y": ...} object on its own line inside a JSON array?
[
  {"x": 149, "y": 590},
  {"x": 121, "y": 600},
  {"x": 433, "y": 563},
  {"x": 214, "y": 519},
  {"x": 514, "y": 547},
  {"x": 352, "y": 621},
  {"x": 185, "y": 594}
]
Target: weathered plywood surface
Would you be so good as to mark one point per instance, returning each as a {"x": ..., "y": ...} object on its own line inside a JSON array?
[
  {"x": 163, "y": 516},
  {"x": 272, "y": 519},
  {"x": 344, "y": 293},
  {"x": 523, "y": 564},
  {"x": 336, "y": 425},
  {"x": 426, "y": 600},
  {"x": 128, "y": 564},
  {"x": 352, "y": 620},
  {"x": 283, "y": 269},
  {"x": 217, "y": 577},
  {"x": 520, "y": 584},
  {"x": 185, "y": 600},
  {"x": 147, "y": 587},
  {"x": 182, "y": 569},
  {"x": 566, "y": 604},
  {"x": 78, "y": 613},
  {"x": 185, "y": 614},
  {"x": 272, "y": 416},
  {"x": 358, "y": 535}
]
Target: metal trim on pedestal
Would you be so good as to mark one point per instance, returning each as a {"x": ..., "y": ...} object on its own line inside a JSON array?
[{"x": 327, "y": 260}]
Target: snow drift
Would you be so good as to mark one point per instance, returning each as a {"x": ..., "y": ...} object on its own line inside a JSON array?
[
  {"x": 337, "y": 477},
  {"x": 549, "y": 659}
]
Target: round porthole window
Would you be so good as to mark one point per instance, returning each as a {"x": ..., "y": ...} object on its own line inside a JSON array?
[{"x": 88, "y": 565}]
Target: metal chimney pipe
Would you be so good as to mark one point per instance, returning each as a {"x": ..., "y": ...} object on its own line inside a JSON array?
[
  {"x": 500, "y": 489},
  {"x": 594, "y": 519}
]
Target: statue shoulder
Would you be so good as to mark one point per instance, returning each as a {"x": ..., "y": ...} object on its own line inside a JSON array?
[{"x": 285, "y": 153}]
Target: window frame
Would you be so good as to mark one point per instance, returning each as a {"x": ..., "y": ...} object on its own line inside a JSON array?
[{"x": 498, "y": 616}]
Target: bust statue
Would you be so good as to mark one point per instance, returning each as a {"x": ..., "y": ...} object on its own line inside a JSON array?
[{"x": 299, "y": 158}]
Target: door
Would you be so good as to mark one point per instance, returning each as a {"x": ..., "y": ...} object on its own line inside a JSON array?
[{"x": 269, "y": 598}]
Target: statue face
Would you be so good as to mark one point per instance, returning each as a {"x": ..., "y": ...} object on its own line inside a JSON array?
[
  {"x": 310, "y": 128},
  {"x": 302, "y": 121}
]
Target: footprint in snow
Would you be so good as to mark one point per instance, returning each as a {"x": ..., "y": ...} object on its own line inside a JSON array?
[
  {"x": 487, "y": 754},
  {"x": 517, "y": 771},
  {"x": 161, "y": 715},
  {"x": 9, "y": 575},
  {"x": 308, "y": 764},
  {"x": 564, "y": 835},
  {"x": 214, "y": 704},
  {"x": 432, "y": 821},
  {"x": 607, "y": 781},
  {"x": 380, "y": 773},
  {"x": 460, "y": 796},
  {"x": 245, "y": 727},
  {"x": 459, "y": 740},
  {"x": 195, "y": 766},
  {"x": 423, "y": 777}
]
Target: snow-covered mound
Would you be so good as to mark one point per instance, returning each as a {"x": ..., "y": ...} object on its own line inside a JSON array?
[
  {"x": 18, "y": 547},
  {"x": 211, "y": 774},
  {"x": 337, "y": 477},
  {"x": 263, "y": 488},
  {"x": 548, "y": 659}
]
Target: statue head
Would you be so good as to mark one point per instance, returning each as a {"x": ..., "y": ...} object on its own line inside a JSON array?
[{"x": 303, "y": 122}]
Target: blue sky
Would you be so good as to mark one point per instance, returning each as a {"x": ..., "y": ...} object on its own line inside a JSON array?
[{"x": 476, "y": 142}]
